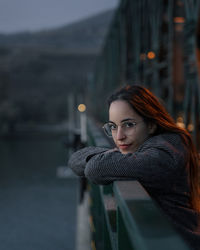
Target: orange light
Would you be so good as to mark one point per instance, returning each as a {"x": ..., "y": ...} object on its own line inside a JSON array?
[
  {"x": 151, "y": 55},
  {"x": 81, "y": 107},
  {"x": 180, "y": 124},
  {"x": 179, "y": 19}
]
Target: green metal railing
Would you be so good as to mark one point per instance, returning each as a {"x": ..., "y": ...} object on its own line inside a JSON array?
[{"x": 124, "y": 217}]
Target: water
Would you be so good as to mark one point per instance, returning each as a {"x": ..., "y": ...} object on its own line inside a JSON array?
[{"x": 37, "y": 208}]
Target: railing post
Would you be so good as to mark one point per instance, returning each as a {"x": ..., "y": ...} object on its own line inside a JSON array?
[{"x": 123, "y": 241}]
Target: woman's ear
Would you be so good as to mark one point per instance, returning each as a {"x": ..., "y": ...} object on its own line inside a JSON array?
[{"x": 152, "y": 128}]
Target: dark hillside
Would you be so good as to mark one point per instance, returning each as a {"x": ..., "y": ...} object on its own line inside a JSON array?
[
  {"x": 39, "y": 70},
  {"x": 86, "y": 34}
]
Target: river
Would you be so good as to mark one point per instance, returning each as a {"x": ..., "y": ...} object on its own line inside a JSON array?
[{"x": 38, "y": 200}]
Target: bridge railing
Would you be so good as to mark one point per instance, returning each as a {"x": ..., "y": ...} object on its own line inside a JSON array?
[{"x": 124, "y": 217}]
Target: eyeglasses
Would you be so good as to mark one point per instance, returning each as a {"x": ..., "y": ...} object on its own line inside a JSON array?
[{"x": 110, "y": 128}]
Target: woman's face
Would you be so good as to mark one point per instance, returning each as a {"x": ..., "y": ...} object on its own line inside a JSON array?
[{"x": 129, "y": 130}]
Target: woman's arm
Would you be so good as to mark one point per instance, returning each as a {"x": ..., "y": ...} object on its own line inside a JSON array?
[
  {"x": 78, "y": 159},
  {"x": 156, "y": 164}
]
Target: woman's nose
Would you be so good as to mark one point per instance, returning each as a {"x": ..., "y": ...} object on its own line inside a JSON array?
[{"x": 120, "y": 133}]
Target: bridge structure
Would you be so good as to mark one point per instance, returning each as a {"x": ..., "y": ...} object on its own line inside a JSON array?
[{"x": 155, "y": 44}]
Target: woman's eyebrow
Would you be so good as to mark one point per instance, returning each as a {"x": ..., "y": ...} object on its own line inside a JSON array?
[
  {"x": 124, "y": 120},
  {"x": 128, "y": 119}
]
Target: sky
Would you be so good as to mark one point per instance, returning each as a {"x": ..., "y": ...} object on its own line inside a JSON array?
[{"x": 33, "y": 15}]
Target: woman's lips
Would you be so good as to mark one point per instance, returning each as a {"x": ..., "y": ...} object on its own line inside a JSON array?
[{"x": 124, "y": 146}]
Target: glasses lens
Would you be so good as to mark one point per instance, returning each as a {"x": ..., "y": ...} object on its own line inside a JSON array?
[{"x": 107, "y": 129}]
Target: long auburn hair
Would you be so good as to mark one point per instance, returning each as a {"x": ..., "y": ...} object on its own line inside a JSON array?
[{"x": 146, "y": 104}]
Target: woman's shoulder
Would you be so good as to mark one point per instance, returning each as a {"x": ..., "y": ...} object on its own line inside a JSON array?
[
  {"x": 171, "y": 144},
  {"x": 173, "y": 138},
  {"x": 167, "y": 141}
]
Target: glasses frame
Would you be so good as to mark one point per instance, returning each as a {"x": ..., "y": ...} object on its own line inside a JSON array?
[{"x": 110, "y": 135}]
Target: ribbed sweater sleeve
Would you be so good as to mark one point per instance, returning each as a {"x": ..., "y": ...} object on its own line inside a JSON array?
[
  {"x": 154, "y": 164},
  {"x": 78, "y": 160}
]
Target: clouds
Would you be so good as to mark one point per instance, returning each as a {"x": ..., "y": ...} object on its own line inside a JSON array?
[{"x": 24, "y": 15}]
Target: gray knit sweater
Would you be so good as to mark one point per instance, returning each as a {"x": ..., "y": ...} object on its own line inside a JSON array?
[{"x": 159, "y": 165}]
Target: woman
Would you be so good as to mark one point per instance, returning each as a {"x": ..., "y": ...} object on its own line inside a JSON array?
[{"x": 152, "y": 149}]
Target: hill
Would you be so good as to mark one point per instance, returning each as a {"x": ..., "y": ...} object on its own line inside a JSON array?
[
  {"x": 86, "y": 34},
  {"x": 38, "y": 70}
]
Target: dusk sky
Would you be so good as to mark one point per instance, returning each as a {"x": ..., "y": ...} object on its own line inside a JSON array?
[{"x": 32, "y": 15}]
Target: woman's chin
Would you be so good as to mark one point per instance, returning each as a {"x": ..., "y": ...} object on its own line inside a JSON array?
[{"x": 124, "y": 152}]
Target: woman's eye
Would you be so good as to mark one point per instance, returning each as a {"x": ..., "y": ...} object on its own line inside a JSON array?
[
  {"x": 129, "y": 124},
  {"x": 112, "y": 127}
]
